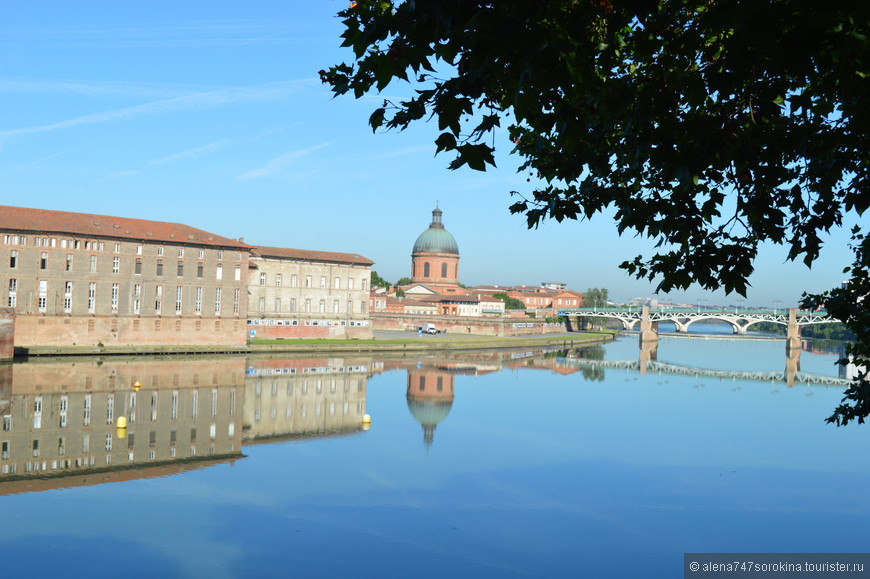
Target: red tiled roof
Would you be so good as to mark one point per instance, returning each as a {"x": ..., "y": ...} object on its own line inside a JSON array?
[
  {"x": 310, "y": 255},
  {"x": 84, "y": 224}
]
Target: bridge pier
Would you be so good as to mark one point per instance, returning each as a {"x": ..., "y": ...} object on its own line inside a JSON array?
[
  {"x": 792, "y": 333},
  {"x": 648, "y": 330},
  {"x": 649, "y": 352}
]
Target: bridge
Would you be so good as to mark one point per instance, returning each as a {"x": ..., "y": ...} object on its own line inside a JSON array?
[
  {"x": 789, "y": 376},
  {"x": 740, "y": 320},
  {"x": 682, "y": 318}
]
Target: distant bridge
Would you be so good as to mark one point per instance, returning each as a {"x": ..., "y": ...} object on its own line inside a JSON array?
[
  {"x": 682, "y": 318},
  {"x": 665, "y": 368}
]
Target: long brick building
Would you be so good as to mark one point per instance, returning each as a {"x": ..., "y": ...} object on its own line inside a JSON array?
[{"x": 75, "y": 279}]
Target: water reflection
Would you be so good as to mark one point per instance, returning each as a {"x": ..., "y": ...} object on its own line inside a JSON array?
[{"x": 60, "y": 416}]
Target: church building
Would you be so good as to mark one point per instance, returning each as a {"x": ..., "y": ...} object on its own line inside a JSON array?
[{"x": 435, "y": 258}]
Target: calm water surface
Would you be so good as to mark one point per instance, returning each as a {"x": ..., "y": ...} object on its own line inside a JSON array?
[{"x": 526, "y": 464}]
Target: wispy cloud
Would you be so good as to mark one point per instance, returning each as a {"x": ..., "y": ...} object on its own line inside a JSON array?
[
  {"x": 94, "y": 88},
  {"x": 197, "y": 101},
  {"x": 118, "y": 175},
  {"x": 278, "y": 164},
  {"x": 190, "y": 153}
]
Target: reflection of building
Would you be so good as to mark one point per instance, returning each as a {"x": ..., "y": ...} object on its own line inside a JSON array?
[
  {"x": 61, "y": 417},
  {"x": 292, "y": 398},
  {"x": 430, "y": 398},
  {"x": 310, "y": 294}
]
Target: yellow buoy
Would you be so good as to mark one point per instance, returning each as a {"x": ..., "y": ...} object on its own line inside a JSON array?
[
  {"x": 136, "y": 386},
  {"x": 121, "y": 422},
  {"x": 121, "y": 433},
  {"x": 367, "y": 419}
]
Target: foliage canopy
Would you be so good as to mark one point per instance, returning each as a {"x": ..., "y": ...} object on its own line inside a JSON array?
[{"x": 709, "y": 126}]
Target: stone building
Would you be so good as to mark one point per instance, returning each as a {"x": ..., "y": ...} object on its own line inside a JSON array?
[
  {"x": 297, "y": 293},
  {"x": 79, "y": 279},
  {"x": 435, "y": 258}
]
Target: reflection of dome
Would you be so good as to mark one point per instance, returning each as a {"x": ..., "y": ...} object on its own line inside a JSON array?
[
  {"x": 429, "y": 413},
  {"x": 436, "y": 239}
]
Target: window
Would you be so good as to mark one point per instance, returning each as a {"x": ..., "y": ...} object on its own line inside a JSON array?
[
  {"x": 362, "y": 307},
  {"x": 349, "y": 307},
  {"x": 138, "y": 267},
  {"x": 293, "y": 280},
  {"x": 180, "y": 252},
  {"x": 137, "y": 298},
  {"x": 199, "y": 268},
  {"x": 116, "y": 265},
  {"x": 335, "y": 306},
  {"x": 67, "y": 297},
  {"x": 200, "y": 253},
  {"x": 277, "y": 304},
  {"x": 217, "y": 301},
  {"x": 293, "y": 305},
  {"x": 13, "y": 258},
  {"x": 307, "y": 306},
  {"x": 363, "y": 285},
  {"x": 322, "y": 282},
  {"x": 160, "y": 251},
  {"x": 43, "y": 260},
  {"x": 426, "y": 269},
  {"x": 322, "y": 306},
  {"x": 179, "y": 298},
  {"x": 117, "y": 248},
  {"x": 236, "y": 297},
  {"x": 13, "y": 289},
  {"x": 115, "y": 290},
  {"x": 307, "y": 281},
  {"x": 350, "y": 283},
  {"x": 198, "y": 302},
  {"x": 159, "y": 267},
  {"x": 262, "y": 279},
  {"x": 238, "y": 274},
  {"x": 220, "y": 254},
  {"x": 138, "y": 250},
  {"x": 92, "y": 266},
  {"x": 261, "y": 305},
  {"x": 219, "y": 272},
  {"x": 158, "y": 299},
  {"x": 180, "y": 269},
  {"x": 92, "y": 297},
  {"x": 443, "y": 270},
  {"x": 277, "y": 280},
  {"x": 336, "y": 284}
]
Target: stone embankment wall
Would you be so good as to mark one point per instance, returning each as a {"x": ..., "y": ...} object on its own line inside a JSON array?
[{"x": 467, "y": 325}]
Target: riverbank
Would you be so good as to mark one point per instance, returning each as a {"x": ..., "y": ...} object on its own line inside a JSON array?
[{"x": 384, "y": 342}]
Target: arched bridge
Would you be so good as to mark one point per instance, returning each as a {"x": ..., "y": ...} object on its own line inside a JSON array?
[{"x": 682, "y": 318}]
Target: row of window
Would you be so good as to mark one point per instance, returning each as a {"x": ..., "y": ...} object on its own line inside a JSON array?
[
  {"x": 336, "y": 283},
  {"x": 87, "y": 245},
  {"x": 135, "y": 301},
  {"x": 307, "y": 306},
  {"x": 130, "y": 413},
  {"x": 427, "y": 268},
  {"x": 303, "y": 411},
  {"x": 116, "y": 265}
]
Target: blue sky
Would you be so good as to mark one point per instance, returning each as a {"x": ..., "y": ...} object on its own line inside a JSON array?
[{"x": 212, "y": 114}]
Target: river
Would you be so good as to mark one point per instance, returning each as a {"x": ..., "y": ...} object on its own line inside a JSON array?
[{"x": 524, "y": 463}]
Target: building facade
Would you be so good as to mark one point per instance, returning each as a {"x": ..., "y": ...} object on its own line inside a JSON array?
[
  {"x": 75, "y": 279},
  {"x": 297, "y": 293}
]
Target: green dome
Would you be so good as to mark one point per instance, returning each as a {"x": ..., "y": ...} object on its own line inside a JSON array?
[{"x": 436, "y": 239}]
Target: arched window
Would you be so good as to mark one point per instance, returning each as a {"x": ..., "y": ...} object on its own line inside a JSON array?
[
  {"x": 443, "y": 270},
  {"x": 426, "y": 269}
]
